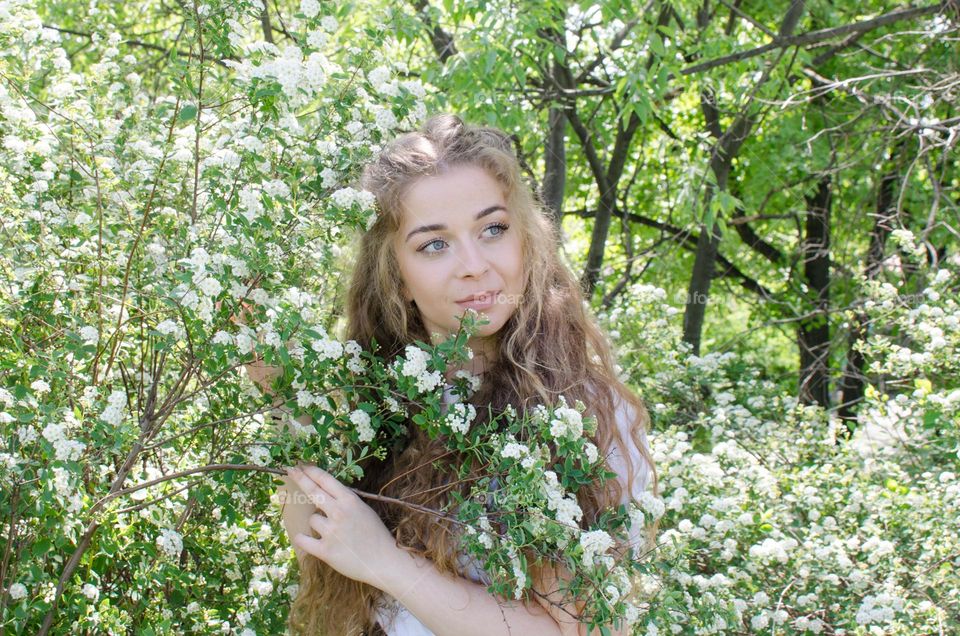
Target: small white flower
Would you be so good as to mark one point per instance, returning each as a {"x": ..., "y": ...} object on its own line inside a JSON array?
[
  {"x": 245, "y": 343},
  {"x": 593, "y": 544},
  {"x": 260, "y": 587},
  {"x": 40, "y": 387},
  {"x": 210, "y": 286},
  {"x": 317, "y": 39},
  {"x": 344, "y": 197},
  {"x": 90, "y": 591},
  {"x": 310, "y": 8},
  {"x": 513, "y": 450},
  {"x": 392, "y": 405},
  {"x": 329, "y": 23},
  {"x": 654, "y": 506},
  {"x": 113, "y": 414},
  {"x": 460, "y": 416},
  {"x": 258, "y": 455},
  {"x": 590, "y": 450},
  {"x": 327, "y": 348},
  {"x": 222, "y": 338},
  {"x": 361, "y": 420},
  {"x": 18, "y": 591},
  {"x": 170, "y": 542},
  {"x": 169, "y": 327}
]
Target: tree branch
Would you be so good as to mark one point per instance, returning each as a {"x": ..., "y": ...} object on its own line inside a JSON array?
[
  {"x": 688, "y": 241},
  {"x": 442, "y": 41},
  {"x": 812, "y": 37}
]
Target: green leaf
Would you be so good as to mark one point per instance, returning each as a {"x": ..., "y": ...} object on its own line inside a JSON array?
[
  {"x": 187, "y": 113},
  {"x": 656, "y": 44},
  {"x": 710, "y": 215}
]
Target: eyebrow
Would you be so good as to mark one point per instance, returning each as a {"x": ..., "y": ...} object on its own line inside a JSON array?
[{"x": 440, "y": 226}]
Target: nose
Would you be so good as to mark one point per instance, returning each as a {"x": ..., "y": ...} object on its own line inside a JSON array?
[{"x": 473, "y": 261}]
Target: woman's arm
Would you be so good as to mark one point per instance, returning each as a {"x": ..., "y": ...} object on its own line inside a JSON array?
[
  {"x": 453, "y": 605},
  {"x": 352, "y": 539}
]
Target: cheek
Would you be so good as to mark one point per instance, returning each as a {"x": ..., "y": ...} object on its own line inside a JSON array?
[
  {"x": 512, "y": 260},
  {"x": 422, "y": 280},
  {"x": 409, "y": 277}
]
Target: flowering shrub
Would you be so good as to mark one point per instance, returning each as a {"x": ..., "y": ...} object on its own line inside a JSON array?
[
  {"x": 134, "y": 223},
  {"x": 523, "y": 507},
  {"x": 775, "y": 522},
  {"x": 132, "y": 494}
]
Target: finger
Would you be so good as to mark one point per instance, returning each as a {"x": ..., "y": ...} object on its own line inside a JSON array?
[
  {"x": 307, "y": 544},
  {"x": 325, "y": 480},
  {"x": 317, "y": 496},
  {"x": 319, "y": 524}
]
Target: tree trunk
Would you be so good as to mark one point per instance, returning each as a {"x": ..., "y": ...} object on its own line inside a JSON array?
[
  {"x": 852, "y": 382},
  {"x": 723, "y": 153},
  {"x": 607, "y": 181},
  {"x": 813, "y": 333},
  {"x": 555, "y": 149},
  {"x": 265, "y": 24},
  {"x": 555, "y": 166}
]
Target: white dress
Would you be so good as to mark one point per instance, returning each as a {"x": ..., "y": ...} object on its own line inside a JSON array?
[{"x": 396, "y": 620}]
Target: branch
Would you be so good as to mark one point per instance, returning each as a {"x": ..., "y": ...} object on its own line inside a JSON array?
[
  {"x": 615, "y": 44},
  {"x": 593, "y": 160},
  {"x": 256, "y": 468},
  {"x": 812, "y": 37},
  {"x": 129, "y": 42},
  {"x": 442, "y": 41},
  {"x": 688, "y": 240}
]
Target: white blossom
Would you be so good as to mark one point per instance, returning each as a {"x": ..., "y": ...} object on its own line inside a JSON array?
[
  {"x": 460, "y": 416},
  {"x": 361, "y": 420},
  {"x": 17, "y": 591},
  {"x": 593, "y": 544},
  {"x": 170, "y": 542},
  {"x": 310, "y": 8}
]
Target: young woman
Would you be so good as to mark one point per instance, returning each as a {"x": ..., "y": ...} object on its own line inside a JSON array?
[{"x": 457, "y": 228}]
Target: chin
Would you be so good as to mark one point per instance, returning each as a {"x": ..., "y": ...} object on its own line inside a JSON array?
[
  {"x": 494, "y": 326},
  {"x": 497, "y": 320}
]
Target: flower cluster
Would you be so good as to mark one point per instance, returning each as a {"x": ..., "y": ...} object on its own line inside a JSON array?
[{"x": 773, "y": 519}]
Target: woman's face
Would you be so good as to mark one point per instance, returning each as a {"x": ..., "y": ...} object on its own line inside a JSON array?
[{"x": 457, "y": 250}]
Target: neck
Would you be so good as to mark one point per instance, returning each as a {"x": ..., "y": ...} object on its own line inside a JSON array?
[{"x": 484, "y": 353}]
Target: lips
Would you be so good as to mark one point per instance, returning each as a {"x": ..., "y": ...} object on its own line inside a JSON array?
[
  {"x": 484, "y": 301},
  {"x": 486, "y": 296}
]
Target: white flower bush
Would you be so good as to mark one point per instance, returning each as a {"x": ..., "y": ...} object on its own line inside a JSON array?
[
  {"x": 160, "y": 231},
  {"x": 773, "y": 519},
  {"x": 142, "y": 202}
]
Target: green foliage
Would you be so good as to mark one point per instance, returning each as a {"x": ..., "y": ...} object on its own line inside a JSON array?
[{"x": 164, "y": 164}]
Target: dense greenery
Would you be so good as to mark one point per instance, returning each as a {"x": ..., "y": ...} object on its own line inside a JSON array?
[{"x": 163, "y": 162}]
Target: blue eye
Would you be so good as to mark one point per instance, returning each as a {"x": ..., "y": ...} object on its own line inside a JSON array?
[
  {"x": 500, "y": 227},
  {"x": 423, "y": 248}
]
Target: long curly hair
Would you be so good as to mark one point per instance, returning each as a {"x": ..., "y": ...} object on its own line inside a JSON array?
[{"x": 550, "y": 346}]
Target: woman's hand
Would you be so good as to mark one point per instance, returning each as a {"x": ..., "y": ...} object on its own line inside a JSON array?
[{"x": 351, "y": 537}]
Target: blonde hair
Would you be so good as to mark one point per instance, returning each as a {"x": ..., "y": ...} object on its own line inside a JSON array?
[{"x": 550, "y": 346}]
